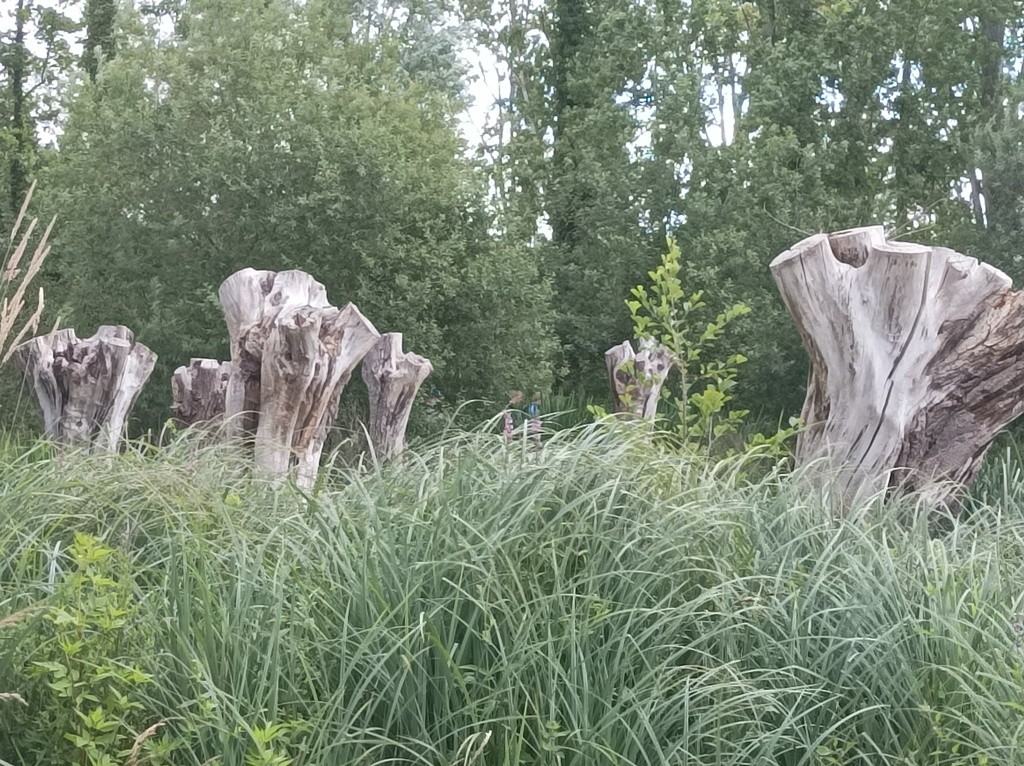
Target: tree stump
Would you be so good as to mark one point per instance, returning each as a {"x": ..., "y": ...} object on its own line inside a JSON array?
[
  {"x": 636, "y": 377},
  {"x": 251, "y": 301},
  {"x": 292, "y": 354},
  {"x": 393, "y": 378},
  {"x": 917, "y": 360},
  {"x": 85, "y": 388},
  {"x": 198, "y": 392}
]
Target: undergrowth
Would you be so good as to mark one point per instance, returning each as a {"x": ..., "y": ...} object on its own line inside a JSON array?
[{"x": 595, "y": 602}]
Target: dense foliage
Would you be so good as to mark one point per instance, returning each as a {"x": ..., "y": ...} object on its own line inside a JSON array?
[
  {"x": 179, "y": 141},
  {"x": 256, "y": 140},
  {"x": 612, "y": 598}
]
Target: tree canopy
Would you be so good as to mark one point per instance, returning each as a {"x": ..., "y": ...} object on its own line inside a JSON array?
[{"x": 180, "y": 141}]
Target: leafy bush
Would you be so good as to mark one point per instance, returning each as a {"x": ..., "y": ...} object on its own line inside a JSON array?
[
  {"x": 666, "y": 314},
  {"x": 82, "y": 694},
  {"x": 700, "y": 387}
]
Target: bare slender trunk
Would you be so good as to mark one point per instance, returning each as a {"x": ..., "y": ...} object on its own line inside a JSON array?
[{"x": 19, "y": 118}]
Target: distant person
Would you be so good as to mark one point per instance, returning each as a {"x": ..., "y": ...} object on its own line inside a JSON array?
[
  {"x": 533, "y": 410},
  {"x": 515, "y": 401}
]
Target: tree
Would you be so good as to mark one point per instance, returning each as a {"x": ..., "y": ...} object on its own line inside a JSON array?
[
  {"x": 999, "y": 155},
  {"x": 35, "y": 52},
  {"x": 568, "y": 182},
  {"x": 841, "y": 114},
  {"x": 99, "y": 34},
  {"x": 20, "y": 127},
  {"x": 263, "y": 139},
  {"x": 595, "y": 200}
]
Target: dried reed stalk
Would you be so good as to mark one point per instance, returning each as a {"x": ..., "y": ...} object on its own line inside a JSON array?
[
  {"x": 23, "y": 614},
  {"x": 136, "y": 751},
  {"x": 15, "y": 279}
]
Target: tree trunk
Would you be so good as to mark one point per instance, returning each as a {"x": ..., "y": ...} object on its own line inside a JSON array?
[
  {"x": 198, "y": 391},
  {"x": 637, "y": 377},
  {"x": 100, "y": 19},
  {"x": 993, "y": 29},
  {"x": 308, "y": 360},
  {"x": 19, "y": 118},
  {"x": 292, "y": 354},
  {"x": 393, "y": 378},
  {"x": 917, "y": 358},
  {"x": 85, "y": 389},
  {"x": 251, "y": 301}
]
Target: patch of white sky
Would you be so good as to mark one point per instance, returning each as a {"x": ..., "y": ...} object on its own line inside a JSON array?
[{"x": 487, "y": 87}]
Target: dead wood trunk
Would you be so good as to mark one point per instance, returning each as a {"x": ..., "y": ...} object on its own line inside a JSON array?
[
  {"x": 636, "y": 377},
  {"x": 85, "y": 388},
  {"x": 917, "y": 357},
  {"x": 393, "y": 378},
  {"x": 308, "y": 360},
  {"x": 251, "y": 301},
  {"x": 198, "y": 392},
  {"x": 292, "y": 354}
]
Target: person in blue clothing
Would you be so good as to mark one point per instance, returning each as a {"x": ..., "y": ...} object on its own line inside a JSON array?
[
  {"x": 516, "y": 414},
  {"x": 533, "y": 410}
]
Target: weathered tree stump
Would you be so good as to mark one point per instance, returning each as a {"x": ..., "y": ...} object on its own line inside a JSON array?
[
  {"x": 393, "y": 378},
  {"x": 198, "y": 392},
  {"x": 251, "y": 301},
  {"x": 917, "y": 357},
  {"x": 292, "y": 354},
  {"x": 636, "y": 377},
  {"x": 85, "y": 388}
]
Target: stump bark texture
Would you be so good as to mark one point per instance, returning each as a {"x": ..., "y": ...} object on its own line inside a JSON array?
[
  {"x": 198, "y": 391},
  {"x": 393, "y": 377},
  {"x": 636, "y": 377},
  {"x": 917, "y": 360},
  {"x": 292, "y": 354},
  {"x": 85, "y": 388}
]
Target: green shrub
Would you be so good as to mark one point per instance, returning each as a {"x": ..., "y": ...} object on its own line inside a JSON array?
[
  {"x": 81, "y": 687},
  {"x": 701, "y": 384}
]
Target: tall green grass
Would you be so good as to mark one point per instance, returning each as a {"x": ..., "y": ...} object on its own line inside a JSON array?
[{"x": 596, "y": 602}]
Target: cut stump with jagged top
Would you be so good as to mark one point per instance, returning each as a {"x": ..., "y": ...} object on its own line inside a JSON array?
[
  {"x": 198, "y": 390},
  {"x": 85, "y": 388},
  {"x": 917, "y": 360},
  {"x": 637, "y": 377},
  {"x": 392, "y": 377},
  {"x": 292, "y": 354}
]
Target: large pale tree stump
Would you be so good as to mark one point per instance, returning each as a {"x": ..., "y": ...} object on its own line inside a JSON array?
[
  {"x": 636, "y": 377},
  {"x": 917, "y": 357},
  {"x": 198, "y": 392},
  {"x": 393, "y": 378},
  {"x": 292, "y": 354},
  {"x": 85, "y": 388},
  {"x": 251, "y": 301}
]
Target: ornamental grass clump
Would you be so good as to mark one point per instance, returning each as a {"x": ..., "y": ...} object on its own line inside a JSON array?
[{"x": 595, "y": 602}]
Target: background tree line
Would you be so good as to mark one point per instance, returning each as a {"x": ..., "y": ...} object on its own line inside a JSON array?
[{"x": 181, "y": 140}]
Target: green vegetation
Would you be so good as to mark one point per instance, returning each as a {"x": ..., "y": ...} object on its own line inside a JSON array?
[
  {"x": 612, "y": 598},
  {"x": 178, "y": 141},
  {"x": 668, "y": 315},
  {"x": 353, "y": 171},
  {"x": 597, "y": 602}
]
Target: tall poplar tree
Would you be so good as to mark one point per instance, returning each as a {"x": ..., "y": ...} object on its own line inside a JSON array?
[{"x": 100, "y": 16}]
